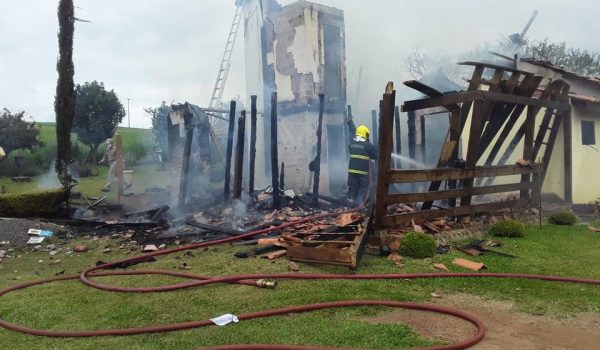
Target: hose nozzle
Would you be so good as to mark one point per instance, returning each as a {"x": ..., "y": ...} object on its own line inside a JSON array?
[{"x": 262, "y": 283}]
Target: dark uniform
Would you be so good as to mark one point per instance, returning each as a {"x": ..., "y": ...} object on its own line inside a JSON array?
[{"x": 361, "y": 153}]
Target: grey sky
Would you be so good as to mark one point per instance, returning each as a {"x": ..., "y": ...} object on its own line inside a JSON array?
[{"x": 154, "y": 50}]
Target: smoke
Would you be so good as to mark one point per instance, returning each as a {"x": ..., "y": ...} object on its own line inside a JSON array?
[
  {"x": 239, "y": 212},
  {"x": 48, "y": 180}
]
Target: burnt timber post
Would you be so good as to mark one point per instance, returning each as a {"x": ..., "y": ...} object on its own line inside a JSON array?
[
  {"x": 239, "y": 157},
  {"x": 185, "y": 166},
  {"x": 252, "y": 164},
  {"x": 351, "y": 125},
  {"x": 119, "y": 165},
  {"x": 385, "y": 150},
  {"x": 397, "y": 126},
  {"x": 528, "y": 150},
  {"x": 346, "y": 134},
  {"x": 374, "y": 127},
  {"x": 317, "y": 161},
  {"x": 423, "y": 145},
  {"x": 412, "y": 134},
  {"x": 274, "y": 155},
  {"x": 227, "y": 186}
]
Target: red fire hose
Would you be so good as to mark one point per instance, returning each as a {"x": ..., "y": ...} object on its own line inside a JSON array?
[{"x": 251, "y": 279}]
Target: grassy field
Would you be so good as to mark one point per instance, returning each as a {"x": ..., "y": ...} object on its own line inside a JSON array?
[
  {"x": 137, "y": 144},
  {"x": 565, "y": 251},
  {"x": 143, "y": 177}
]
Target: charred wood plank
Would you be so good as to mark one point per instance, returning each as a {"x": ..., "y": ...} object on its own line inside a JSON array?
[
  {"x": 458, "y": 119},
  {"x": 528, "y": 147},
  {"x": 420, "y": 216},
  {"x": 274, "y": 154},
  {"x": 444, "y": 174},
  {"x": 185, "y": 167},
  {"x": 386, "y": 125},
  {"x": 480, "y": 96},
  {"x": 455, "y": 193},
  {"x": 252, "y": 163},
  {"x": 239, "y": 156},
  {"x": 350, "y": 122},
  {"x": 374, "y": 127},
  {"x": 227, "y": 185},
  {"x": 398, "y": 130},
  {"x": 317, "y": 161}
]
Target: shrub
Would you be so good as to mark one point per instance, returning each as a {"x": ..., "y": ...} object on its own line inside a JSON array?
[
  {"x": 417, "y": 245},
  {"x": 134, "y": 152},
  {"x": 508, "y": 228},
  {"x": 45, "y": 203},
  {"x": 563, "y": 218}
]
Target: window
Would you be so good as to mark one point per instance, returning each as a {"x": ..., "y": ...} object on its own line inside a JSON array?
[{"x": 588, "y": 134}]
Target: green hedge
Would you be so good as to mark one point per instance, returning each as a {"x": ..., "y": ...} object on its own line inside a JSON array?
[
  {"x": 508, "y": 228},
  {"x": 563, "y": 218},
  {"x": 46, "y": 203},
  {"x": 417, "y": 245}
]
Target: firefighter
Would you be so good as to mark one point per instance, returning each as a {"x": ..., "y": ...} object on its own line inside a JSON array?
[
  {"x": 361, "y": 153},
  {"x": 110, "y": 158}
]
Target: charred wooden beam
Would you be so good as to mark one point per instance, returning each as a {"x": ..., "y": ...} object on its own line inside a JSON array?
[
  {"x": 351, "y": 125},
  {"x": 347, "y": 136},
  {"x": 481, "y": 113},
  {"x": 374, "y": 131},
  {"x": 239, "y": 156},
  {"x": 553, "y": 134},
  {"x": 455, "y": 193},
  {"x": 185, "y": 167},
  {"x": 274, "y": 154},
  {"x": 512, "y": 120},
  {"x": 412, "y": 135},
  {"x": 422, "y": 137},
  {"x": 227, "y": 185},
  {"x": 444, "y": 174},
  {"x": 480, "y": 96},
  {"x": 385, "y": 151},
  {"x": 317, "y": 161},
  {"x": 252, "y": 163},
  {"x": 528, "y": 148},
  {"x": 423, "y": 215},
  {"x": 398, "y": 135}
]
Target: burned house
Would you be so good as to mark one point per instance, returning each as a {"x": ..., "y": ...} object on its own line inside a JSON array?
[{"x": 298, "y": 50}]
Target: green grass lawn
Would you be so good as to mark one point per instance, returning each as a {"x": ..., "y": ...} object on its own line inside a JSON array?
[
  {"x": 137, "y": 144},
  {"x": 565, "y": 251},
  {"x": 143, "y": 177}
]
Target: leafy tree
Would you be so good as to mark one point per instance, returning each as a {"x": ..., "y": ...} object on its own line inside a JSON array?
[
  {"x": 97, "y": 114},
  {"x": 160, "y": 117},
  {"x": 16, "y": 133},
  {"x": 418, "y": 63},
  {"x": 576, "y": 60}
]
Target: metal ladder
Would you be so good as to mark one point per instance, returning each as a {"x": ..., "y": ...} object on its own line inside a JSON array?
[{"x": 217, "y": 93}]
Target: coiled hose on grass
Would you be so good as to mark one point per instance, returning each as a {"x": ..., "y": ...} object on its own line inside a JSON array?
[{"x": 253, "y": 280}]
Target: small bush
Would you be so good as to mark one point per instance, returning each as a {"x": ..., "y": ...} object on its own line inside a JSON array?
[
  {"x": 563, "y": 218},
  {"x": 417, "y": 245},
  {"x": 45, "y": 203},
  {"x": 508, "y": 228}
]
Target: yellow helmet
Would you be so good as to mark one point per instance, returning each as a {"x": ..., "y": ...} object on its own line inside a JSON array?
[{"x": 363, "y": 132}]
